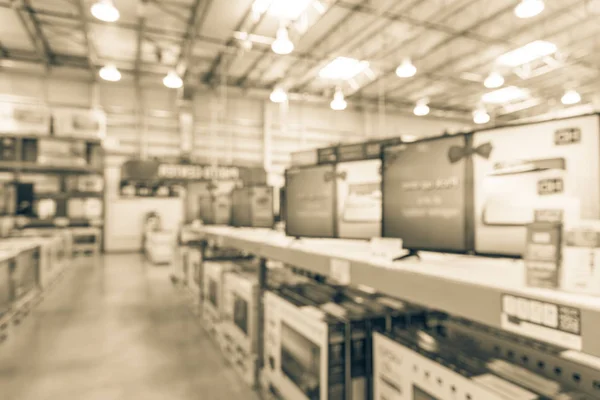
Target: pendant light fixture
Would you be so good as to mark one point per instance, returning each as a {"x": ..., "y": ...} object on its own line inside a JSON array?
[
  {"x": 571, "y": 97},
  {"x": 407, "y": 69},
  {"x": 338, "y": 103},
  {"x": 278, "y": 95},
  {"x": 105, "y": 10},
  {"x": 494, "y": 80},
  {"x": 529, "y": 8},
  {"x": 282, "y": 44},
  {"x": 172, "y": 80},
  {"x": 481, "y": 116},
  {"x": 110, "y": 73},
  {"x": 421, "y": 108}
]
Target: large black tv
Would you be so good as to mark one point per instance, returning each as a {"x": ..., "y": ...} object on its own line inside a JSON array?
[
  {"x": 310, "y": 201},
  {"x": 427, "y": 194}
]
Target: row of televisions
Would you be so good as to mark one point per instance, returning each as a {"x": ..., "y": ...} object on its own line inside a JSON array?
[{"x": 466, "y": 193}]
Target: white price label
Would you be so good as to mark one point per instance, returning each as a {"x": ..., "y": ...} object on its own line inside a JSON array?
[{"x": 339, "y": 270}]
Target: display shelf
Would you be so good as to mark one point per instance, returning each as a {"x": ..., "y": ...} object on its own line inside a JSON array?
[
  {"x": 64, "y": 223},
  {"x": 19, "y": 166},
  {"x": 67, "y": 195},
  {"x": 479, "y": 289}
]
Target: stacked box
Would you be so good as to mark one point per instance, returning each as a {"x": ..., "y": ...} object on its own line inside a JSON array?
[
  {"x": 425, "y": 365},
  {"x": 212, "y": 304},
  {"x": 239, "y": 331},
  {"x": 318, "y": 341}
]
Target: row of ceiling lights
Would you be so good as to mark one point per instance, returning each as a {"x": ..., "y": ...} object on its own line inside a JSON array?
[{"x": 106, "y": 11}]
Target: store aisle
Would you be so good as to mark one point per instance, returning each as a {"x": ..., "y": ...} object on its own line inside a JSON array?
[{"x": 117, "y": 330}]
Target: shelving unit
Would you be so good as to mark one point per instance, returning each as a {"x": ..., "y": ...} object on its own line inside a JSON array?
[
  {"x": 21, "y": 155},
  {"x": 477, "y": 289}
]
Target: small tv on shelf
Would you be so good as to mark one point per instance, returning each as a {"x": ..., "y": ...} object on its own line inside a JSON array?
[{"x": 310, "y": 201}]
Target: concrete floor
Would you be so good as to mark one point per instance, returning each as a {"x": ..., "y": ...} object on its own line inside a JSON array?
[{"x": 111, "y": 331}]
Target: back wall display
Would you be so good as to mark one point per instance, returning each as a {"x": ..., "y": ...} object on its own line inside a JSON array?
[
  {"x": 309, "y": 200},
  {"x": 426, "y": 194},
  {"x": 359, "y": 199},
  {"x": 528, "y": 165}
]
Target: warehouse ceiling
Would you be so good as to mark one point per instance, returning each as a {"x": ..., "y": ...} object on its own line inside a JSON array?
[{"x": 454, "y": 44}]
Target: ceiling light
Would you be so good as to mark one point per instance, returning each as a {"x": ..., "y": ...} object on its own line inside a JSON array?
[
  {"x": 505, "y": 95},
  {"x": 338, "y": 103},
  {"x": 110, "y": 73},
  {"x": 421, "y": 108},
  {"x": 406, "y": 69},
  {"x": 343, "y": 68},
  {"x": 278, "y": 95},
  {"x": 529, "y": 8},
  {"x": 527, "y": 53},
  {"x": 287, "y": 9},
  {"x": 105, "y": 11},
  {"x": 481, "y": 116},
  {"x": 571, "y": 97},
  {"x": 494, "y": 80},
  {"x": 261, "y": 6},
  {"x": 282, "y": 44},
  {"x": 593, "y": 6},
  {"x": 320, "y": 7},
  {"x": 172, "y": 80}
]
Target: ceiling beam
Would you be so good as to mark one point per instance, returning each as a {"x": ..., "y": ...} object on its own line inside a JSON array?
[
  {"x": 141, "y": 27},
  {"x": 200, "y": 10},
  {"x": 209, "y": 77},
  {"x": 92, "y": 55},
  {"x": 31, "y": 29},
  {"x": 269, "y": 55},
  {"x": 165, "y": 8}
]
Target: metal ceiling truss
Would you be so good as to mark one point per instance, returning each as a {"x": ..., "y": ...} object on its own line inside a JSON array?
[{"x": 361, "y": 24}]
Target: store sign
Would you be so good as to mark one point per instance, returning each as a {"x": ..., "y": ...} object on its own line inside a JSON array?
[
  {"x": 154, "y": 170},
  {"x": 197, "y": 172}
]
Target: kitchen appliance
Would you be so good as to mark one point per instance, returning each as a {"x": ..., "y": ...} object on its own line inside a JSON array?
[{"x": 213, "y": 298}]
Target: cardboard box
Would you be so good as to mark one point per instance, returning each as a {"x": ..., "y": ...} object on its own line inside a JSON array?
[
  {"x": 581, "y": 257},
  {"x": 426, "y": 366},
  {"x": 212, "y": 294}
]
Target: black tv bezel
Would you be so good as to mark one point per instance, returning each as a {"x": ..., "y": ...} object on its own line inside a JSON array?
[{"x": 384, "y": 149}]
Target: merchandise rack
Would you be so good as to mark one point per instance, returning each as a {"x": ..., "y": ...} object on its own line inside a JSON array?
[{"x": 470, "y": 288}]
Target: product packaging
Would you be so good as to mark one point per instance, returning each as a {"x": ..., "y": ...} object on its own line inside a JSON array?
[
  {"x": 581, "y": 257},
  {"x": 424, "y": 365}
]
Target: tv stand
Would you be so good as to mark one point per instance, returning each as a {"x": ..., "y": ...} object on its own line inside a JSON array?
[{"x": 411, "y": 253}]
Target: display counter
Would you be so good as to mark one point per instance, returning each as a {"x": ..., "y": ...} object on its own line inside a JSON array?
[{"x": 490, "y": 291}]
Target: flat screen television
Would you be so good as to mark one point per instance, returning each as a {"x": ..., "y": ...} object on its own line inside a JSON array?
[
  {"x": 310, "y": 201},
  {"x": 300, "y": 361},
  {"x": 240, "y": 313},
  {"x": 427, "y": 195},
  {"x": 252, "y": 207},
  {"x": 213, "y": 292}
]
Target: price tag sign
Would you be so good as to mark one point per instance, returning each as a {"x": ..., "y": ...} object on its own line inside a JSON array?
[{"x": 339, "y": 270}]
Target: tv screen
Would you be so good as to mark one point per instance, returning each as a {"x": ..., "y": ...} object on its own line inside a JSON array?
[
  {"x": 240, "y": 213},
  {"x": 309, "y": 201},
  {"x": 359, "y": 199},
  {"x": 240, "y": 313},
  {"x": 261, "y": 207},
  {"x": 300, "y": 361},
  {"x": 426, "y": 194},
  {"x": 420, "y": 394},
  {"x": 5, "y": 297},
  {"x": 213, "y": 292}
]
